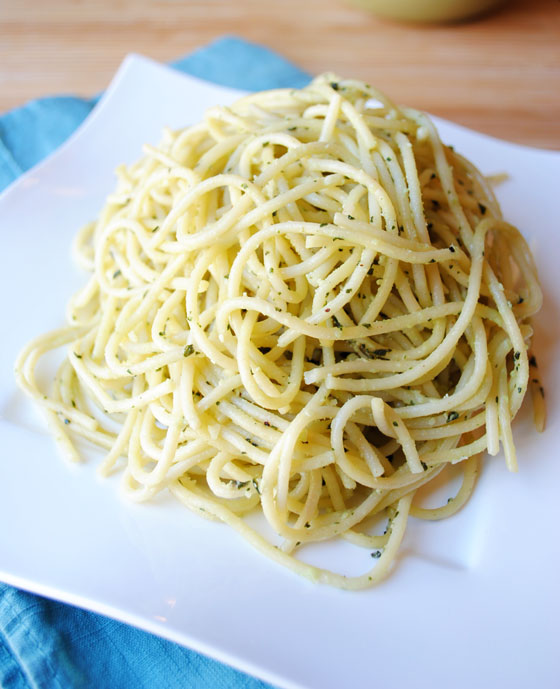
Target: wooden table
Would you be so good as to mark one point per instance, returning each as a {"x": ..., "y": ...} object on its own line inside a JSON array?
[{"x": 500, "y": 74}]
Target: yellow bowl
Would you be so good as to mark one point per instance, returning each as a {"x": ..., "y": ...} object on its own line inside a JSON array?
[{"x": 428, "y": 10}]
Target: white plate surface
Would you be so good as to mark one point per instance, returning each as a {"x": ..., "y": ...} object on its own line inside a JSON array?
[{"x": 473, "y": 601}]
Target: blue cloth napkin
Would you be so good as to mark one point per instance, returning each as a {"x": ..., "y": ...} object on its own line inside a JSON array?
[{"x": 50, "y": 645}]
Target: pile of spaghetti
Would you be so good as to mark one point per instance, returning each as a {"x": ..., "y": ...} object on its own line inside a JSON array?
[{"x": 306, "y": 304}]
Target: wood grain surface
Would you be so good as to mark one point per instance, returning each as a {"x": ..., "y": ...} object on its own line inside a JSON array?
[{"x": 499, "y": 74}]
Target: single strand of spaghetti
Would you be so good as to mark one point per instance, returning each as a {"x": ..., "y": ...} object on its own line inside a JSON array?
[
  {"x": 457, "y": 454},
  {"x": 394, "y": 308},
  {"x": 521, "y": 370},
  {"x": 525, "y": 263},
  {"x": 82, "y": 300},
  {"x": 169, "y": 168},
  {"x": 174, "y": 178},
  {"x": 354, "y": 271},
  {"x": 266, "y": 435},
  {"x": 539, "y": 407},
  {"x": 382, "y": 415},
  {"x": 200, "y": 339},
  {"x": 317, "y": 276},
  {"x": 62, "y": 440},
  {"x": 456, "y": 428},
  {"x": 381, "y": 569},
  {"x": 25, "y": 375},
  {"x": 381, "y": 159},
  {"x": 215, "y": 481},
  {"x": 121, "y": 443},
  {"x": 306, "y": 266},
  {"x": 99, "y": 437},
  {"x": 161, "y": 408},
  {"x": 406, "y": 294},
  {"x": 235, "y": 443},
  {"x": 470, "y": 473},
  {"x": 135, "y": 491},
  {"x": 236, "y": 472},
  {"x": 282, "y": 400},
  {"x": 105, "y": 327},
  {"x": 333, "y": 489},
  {"x": 118, "y": 368},
  {"x": 185, "y": 392},
  {"x": 192, "y": 452},
  {"x": 384, "y": 289},
  {"x": 171, "y": 301},
  {"x": 268, "y": 418},
  {"x": 364, "y": 135},
  {"x": 80, "y": 248},
  {"x": 112, "y": 406},
  {"x": 291, "y": 256},
  {"x": 196, "y": 502},
  {"x": 65, "y": 388},
  {"x": 271, "y": 273},
  {"x": 414, "y": 191},
  {"x": 150, "y": 434},
  {"x": 310, "y": 508},
  {"x": 340, "y": 424},
  {"x": 330, "y": 121},
  {"x": 223, "y": 389},
  {"x": 319, "y": 332},
  {"x": 389, "y": 244},
  {"x": 166, "y": 458},
  {"x": 299, "y": 491},
  {"x": 504, "y": 420},
  {"x": 227, "y": 115},
  {"x": 217, "y": 152},
  {"x": 370, "y": 365},
  {"x": 319, "y": 460},
  {"x": 365, "y": 540},
  {"x": 278, "y": 467},
  {"x": 421, "y": 351},
  {"x": 491, "y": 420},
  {"x": 391, "y": 497}
]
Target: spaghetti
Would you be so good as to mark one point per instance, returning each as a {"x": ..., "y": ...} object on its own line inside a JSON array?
[{"x": 305, "y": 304}]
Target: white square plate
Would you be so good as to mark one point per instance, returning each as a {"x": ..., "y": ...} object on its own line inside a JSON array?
[{"x": 473, "y": 601}]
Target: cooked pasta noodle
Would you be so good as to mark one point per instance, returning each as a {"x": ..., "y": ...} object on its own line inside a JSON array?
[{"x": 305, "y": 304}]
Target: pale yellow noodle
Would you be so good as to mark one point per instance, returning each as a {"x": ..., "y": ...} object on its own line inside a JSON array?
[{"x": 306, "y": 305}]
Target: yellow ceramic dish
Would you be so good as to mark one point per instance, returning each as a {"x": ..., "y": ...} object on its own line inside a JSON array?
[{"x": 428, "y": 10}]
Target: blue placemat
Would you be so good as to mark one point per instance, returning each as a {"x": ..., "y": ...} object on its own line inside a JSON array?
[{"x": 50, "y": 645}]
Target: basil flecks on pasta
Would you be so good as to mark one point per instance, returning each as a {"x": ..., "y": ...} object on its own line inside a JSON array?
[{"x": 306, "y": 305}]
